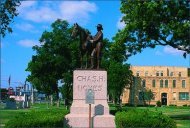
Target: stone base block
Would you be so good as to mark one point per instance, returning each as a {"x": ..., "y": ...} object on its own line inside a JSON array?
[
  {"x": 85, "y": 109},
  {"x": 82, "y": 121}
]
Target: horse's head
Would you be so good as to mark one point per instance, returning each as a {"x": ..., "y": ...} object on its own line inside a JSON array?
[{"x": 76, "y": 29}]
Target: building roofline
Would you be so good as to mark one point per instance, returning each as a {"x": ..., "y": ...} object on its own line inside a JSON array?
[{"x": 159, "y": 66}]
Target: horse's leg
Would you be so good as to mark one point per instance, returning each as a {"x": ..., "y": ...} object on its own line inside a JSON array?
[
  {"x": 81, "y": 59},
  {"x": 98, "y": 52},
  {"x": 88, "y": 56},
  {"x": 86, "y": 60},
  {"x": 92, "y": 58},
  {"x": 88, "y": 53}
]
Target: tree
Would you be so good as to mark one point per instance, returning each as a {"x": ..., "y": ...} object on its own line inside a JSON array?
[
  {"x": 148, "y": 95},
  {"x": 4, "y": 94},
  {"x": 152, "y": 23},
  {"x": 67, "y": 87},
  {"x": 119, "y": 76},
  {"x": 7, "y": 13},
  {"x": 53, "y": 58},
  {"x": 119, "y": 73}
]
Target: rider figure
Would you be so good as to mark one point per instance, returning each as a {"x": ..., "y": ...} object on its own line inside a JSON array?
[{"x": 97, "y": 43}]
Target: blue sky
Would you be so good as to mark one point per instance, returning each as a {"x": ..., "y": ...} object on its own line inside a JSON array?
[{"x": 36, "y": 16}]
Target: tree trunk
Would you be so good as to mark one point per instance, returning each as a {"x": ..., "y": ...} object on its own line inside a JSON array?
[
  {"x": 51, "y": 100},
  {"x": 47, "y": 99},
  {"x": 58, "y": 103},
  {"x": 57, "y": 97}
]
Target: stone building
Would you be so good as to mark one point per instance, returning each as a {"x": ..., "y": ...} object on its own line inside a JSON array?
[{"x": 170, "y": 85}]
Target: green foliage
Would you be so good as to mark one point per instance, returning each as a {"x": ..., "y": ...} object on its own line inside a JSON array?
[
  {"x": 11, "y": 99},
  {"x": 172, "y": 105},
  {"x": 155, "y": 22},
  {"x": 185, "y": 105},
  {"x": 119, "y": 74},
  {"x": 46, "y": 118},
  {"x": 148, "y": 95},
  {"x": 7, "y": 13},
  {"x": 119, "y": 77},
  {"x": 143, "y": 118},
  {"x": 158, "y": 103},
  {"x": 55, "y": 57},
  {"x": 4, "y": 94},
  {"x": 67, "y": 89}
]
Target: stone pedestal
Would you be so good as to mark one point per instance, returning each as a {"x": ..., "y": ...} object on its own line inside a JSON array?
[{"x": 79, "y": 111}]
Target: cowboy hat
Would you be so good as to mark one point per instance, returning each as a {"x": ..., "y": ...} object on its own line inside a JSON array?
[{"x": 99, "y": 26}]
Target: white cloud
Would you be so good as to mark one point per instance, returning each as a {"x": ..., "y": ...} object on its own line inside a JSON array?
[
  {"x": 33, "y": 11},
  {"x": 26, "y": 4},
  {"x": 120, "y": 24},
  {"x": 77, "y": 11},
  {"x": 73, "y": 11},
  {"x": 159, "y": 53},
  {"x": 43, "y": 14},
  {"x": 28, "y": 43},
  {"x": 26, "y": 27},
  {"x": 172, "y": 51}
]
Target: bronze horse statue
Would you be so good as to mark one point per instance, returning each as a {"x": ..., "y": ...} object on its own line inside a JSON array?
[
  {"x": 85, "y": 46},
  {"x": 88, "y": 46}
]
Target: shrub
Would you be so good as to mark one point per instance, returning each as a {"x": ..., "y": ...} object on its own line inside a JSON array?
[
  {"x": 11, "y": 99},
  {"x": 43, "y": 118},
  {"x": 143, "y": 118},
  {"x": 128, "y": 105},
  {"x": 158, "y": 104},
  {"x": 172, "y": 105}
]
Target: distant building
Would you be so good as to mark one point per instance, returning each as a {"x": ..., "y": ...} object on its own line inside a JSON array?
[
  {"x": 170, "y": 85},
  {"x": 11, "y": 91}
]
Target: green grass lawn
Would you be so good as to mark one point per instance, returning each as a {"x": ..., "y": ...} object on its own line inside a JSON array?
[
  {"x": 7, "y": 114},
  {"x": 180, "y": 114}
]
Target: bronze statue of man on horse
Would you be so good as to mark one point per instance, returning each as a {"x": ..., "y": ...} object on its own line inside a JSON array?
[{"x": 89, "y": 46}]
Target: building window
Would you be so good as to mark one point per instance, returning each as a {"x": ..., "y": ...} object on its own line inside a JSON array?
[
  {"x": 144, "y": 83},
  {"x": 138, "y": 74},
  {"x": 171, "y": 73},
  {"x": 179, "y": 74},
  {"x": 153, "y": 83},
  {"x": 174, "y": 83},
  {"x": 161, "y": 73},
  {"x": 183, "y": 83},
  {"x": 166, "y": 83},
  {"x": 174, "y": 95},
  {"x": 161, "y": 83},
  {"x": 146, "y": 73},
  {"x": 183, "y": 96},
  {"x": 157, "y": 73}
]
